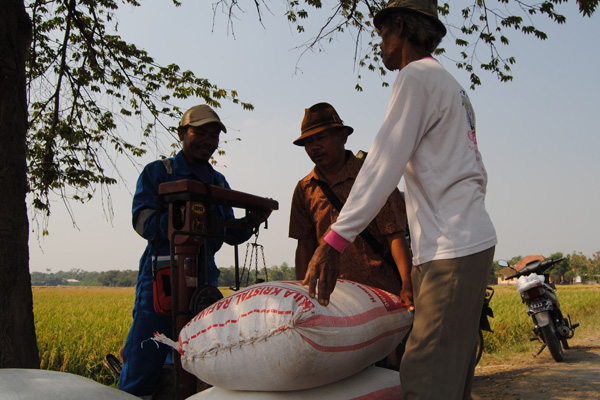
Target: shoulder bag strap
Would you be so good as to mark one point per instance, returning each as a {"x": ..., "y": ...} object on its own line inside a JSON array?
[{"x": 365, "y": 234}]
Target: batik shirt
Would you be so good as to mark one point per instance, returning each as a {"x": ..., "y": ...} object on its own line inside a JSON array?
[{"x": 312, "y": 214}]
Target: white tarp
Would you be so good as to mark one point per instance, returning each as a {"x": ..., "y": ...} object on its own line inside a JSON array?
[
  {"x": 371, "y": 384},
  {"x": 36, "y": 384}
]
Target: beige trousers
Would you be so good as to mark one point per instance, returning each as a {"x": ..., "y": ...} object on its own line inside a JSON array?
[{"x": 439, "y": 359}]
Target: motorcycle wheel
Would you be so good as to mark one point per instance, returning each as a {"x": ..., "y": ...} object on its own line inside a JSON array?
[
  {"x": 479, "y": 348},
  {"x": 549, "y": 334},
  {"x": 565, "y": 344}
]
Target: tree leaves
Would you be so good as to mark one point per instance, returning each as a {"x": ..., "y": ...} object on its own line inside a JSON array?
[
  {"x": 480, "y": 28},
  {"x": 85, "y": 83}
]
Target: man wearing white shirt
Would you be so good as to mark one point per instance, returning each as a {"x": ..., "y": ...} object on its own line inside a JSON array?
[{"x": 429, "y": 137}]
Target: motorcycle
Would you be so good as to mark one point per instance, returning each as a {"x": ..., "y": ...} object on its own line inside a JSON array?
[{"x": 550, "y": 327}]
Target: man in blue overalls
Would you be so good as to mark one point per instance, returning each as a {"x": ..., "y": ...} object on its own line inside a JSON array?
[{"x": 199, "y": 131}]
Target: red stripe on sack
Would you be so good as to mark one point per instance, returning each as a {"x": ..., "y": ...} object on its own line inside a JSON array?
[
  {"x": 234, "y": 321},
  {"x": 348, "y": 320},
  {"x": 391, "y": 393},
  {"x": 388, "y": 300},
  {"x": 356, "y": 346}
]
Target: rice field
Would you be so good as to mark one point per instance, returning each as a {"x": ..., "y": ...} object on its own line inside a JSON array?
[{"x": 77, "y": 326}]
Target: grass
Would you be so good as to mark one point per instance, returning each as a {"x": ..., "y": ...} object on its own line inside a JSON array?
[{"x": 77, "y": 326}]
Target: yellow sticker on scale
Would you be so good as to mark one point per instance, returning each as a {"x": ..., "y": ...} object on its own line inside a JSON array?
[{"x": 198, "y": 208}]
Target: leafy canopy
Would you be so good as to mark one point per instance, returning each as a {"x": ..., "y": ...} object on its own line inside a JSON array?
[
  {"x": 85, "y": 82},
  {"x": 481, "y": 28}
]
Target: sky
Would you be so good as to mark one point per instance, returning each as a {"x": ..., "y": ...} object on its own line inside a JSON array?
[{"x": 539, "y": 134}]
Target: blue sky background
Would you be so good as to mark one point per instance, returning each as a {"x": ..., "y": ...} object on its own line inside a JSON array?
[{"x": 539, "y": 134}]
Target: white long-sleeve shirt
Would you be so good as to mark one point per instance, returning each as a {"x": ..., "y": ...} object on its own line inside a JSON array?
[{"x": 428, "y": 136}]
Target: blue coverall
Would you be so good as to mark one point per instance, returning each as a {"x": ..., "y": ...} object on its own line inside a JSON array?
[{"x": 143, "y": 360}]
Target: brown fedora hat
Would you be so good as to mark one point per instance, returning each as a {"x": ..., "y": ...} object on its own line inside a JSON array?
[
  {"x": 424, "y": 7},
  {"x": 318, "y": 118}
]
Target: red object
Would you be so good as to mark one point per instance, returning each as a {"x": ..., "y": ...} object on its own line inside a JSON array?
[{"x": 162, "y": 290}]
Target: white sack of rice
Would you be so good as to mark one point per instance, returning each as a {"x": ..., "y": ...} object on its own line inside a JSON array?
[{"x": 273, "y": 337}]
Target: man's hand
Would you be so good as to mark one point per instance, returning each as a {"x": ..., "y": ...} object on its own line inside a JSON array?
[
  {"x": 406, "y": 294},
  {"x": 324, "y": 267},
  {"x": 401, "y": 255},
  {"x": 254, "y": 218}
]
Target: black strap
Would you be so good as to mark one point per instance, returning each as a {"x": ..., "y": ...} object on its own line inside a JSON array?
[
  {"x": 365, "y": 234},
  {"x": 159, "y": 202}
]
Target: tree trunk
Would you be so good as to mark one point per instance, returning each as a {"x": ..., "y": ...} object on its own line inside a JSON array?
[{"x": 18, "y": 345}]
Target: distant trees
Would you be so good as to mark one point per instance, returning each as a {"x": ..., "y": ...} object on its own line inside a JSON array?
[
  {"x": 493, "y": 277},
  {"x": 281, "y": 273},
  {"x": 276, "y": 273},
  {"x": 79, "y": 277},
  {"x": 577, "y": 265},
  {"x": 560, "y": 270},
  {"x": 574, "y": 265},
  {"x": 118, "y": 278},
  {"x": 114, "y": 278}
]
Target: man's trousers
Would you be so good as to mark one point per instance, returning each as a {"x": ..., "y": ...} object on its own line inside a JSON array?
[{"x": 439, "y": 361}]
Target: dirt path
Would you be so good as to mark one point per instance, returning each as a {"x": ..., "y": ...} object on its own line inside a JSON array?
[{"x": 524, "y": 377}]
